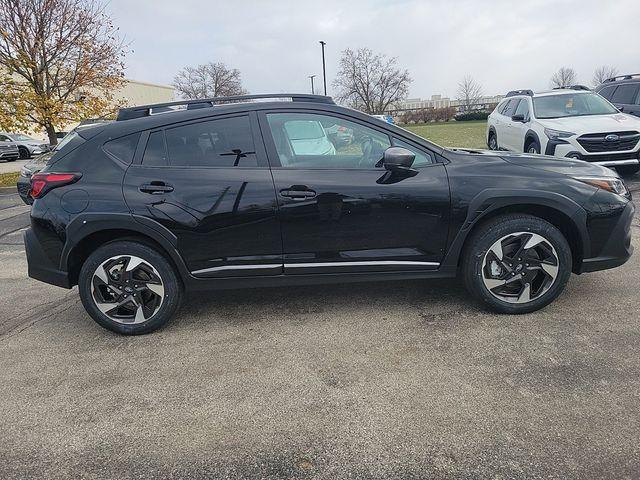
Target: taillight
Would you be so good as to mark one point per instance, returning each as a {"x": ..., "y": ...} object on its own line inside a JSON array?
[{"x": 41, "y": 183}]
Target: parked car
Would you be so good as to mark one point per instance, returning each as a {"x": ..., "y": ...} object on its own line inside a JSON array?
[
  {"x": 623, "y": 92},
  {"x": 27, "y": 146},
  {"x": 226, "y": 195},
  {"x": 385, "y": 118},
  {"x": 8, "y": 149},
  {"x": 572, "y": 123}
]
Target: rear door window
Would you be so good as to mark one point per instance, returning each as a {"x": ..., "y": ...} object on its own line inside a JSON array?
[
  {"x": 607, "y": 92},
  {"x": 224, "y": 142},
  {"x": 155, "y": 154},
  {"x": 625, "y": 94}
]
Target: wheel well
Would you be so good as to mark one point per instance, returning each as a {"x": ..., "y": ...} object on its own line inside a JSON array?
[
  {"x": 91, "y": 242},
  {"x": 529, "y": 139},
  {"x": 555, "y": 217}
]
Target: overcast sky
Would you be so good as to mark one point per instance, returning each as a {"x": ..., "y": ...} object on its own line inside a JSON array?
[{"x": 503, "y": 44}]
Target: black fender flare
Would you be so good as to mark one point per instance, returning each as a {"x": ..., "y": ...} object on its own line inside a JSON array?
[
  {"x": 531, "y": 134},
  {"x": 87, "y": 224},
  {"x": 490, "y": 200}
]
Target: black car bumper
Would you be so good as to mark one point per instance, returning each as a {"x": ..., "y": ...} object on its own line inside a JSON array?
[
  {"x": 40, "y": 265},
  {"x": 617, "y": 249}
]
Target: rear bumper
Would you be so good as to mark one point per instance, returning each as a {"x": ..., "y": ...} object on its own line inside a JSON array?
[
  {"x": 617, "y": 249},
  {"x": 40, "y": 267},
  {"x": 10, "y": 155}
]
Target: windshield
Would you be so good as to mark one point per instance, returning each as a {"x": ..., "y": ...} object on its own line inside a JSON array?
[
  {"x": 22, "y": 138},
  {"x": 571, "y": 105},
  {"x": 67, "y": 138}
]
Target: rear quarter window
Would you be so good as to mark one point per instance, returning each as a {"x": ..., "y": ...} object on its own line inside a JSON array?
[
  {"x": 123, "y": 148},
  {"x": 70, "y": 142}
]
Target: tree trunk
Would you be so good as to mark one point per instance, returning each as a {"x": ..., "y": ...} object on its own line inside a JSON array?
[{"x": 51, "y": 133}]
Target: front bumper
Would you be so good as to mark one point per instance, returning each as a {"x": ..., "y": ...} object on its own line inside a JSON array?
[
  {"x": 564, "y": 148},
  {"x": 617, "y": 249},
  {"x": 40, "y": 265}
]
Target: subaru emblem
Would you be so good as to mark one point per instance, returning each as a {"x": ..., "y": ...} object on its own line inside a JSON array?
[{"x": 611, "y": 138}]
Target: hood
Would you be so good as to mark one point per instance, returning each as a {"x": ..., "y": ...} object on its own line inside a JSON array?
[
  {"x": 564, "y": 166},
  {"x": 580, "y": 125}
]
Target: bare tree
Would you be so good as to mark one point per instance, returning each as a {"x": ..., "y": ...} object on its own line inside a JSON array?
[
  {"x": 209, "y": 80},
  {"x": 603, "y": 73},
  {"x": 565, "y": 77},
  {"x": 469, "y": 93},
  {"x": 370, "y": 82},
  {"x": 64, "y": 58}
]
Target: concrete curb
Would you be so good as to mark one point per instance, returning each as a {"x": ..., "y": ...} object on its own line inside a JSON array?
[{"x": 8, "y": 190}]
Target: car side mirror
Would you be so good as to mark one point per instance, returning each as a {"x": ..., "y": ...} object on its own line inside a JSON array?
[
  {"x": 398, "y": 159},
  {"x": 518, "y": 118}
]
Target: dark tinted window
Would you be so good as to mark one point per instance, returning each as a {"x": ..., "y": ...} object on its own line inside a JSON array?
[
  {"x": 4, "y": 138},
  {"x": 123, "y": 148},
  {"x": 625, "y": 93},
  {"x": 226, "y": 142},
  {"x": 422, "y": 158},
  {"x": 607, "y": 92},
  {"x": 155, "y": 154}
]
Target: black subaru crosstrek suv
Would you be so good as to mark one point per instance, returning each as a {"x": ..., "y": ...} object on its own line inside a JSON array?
[
  {"x": 242, "y": 192},
  {"x": 624, "y": 92}
]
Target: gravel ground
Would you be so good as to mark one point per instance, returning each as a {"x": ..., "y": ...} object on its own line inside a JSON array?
[{"x": 399, "y": 380}]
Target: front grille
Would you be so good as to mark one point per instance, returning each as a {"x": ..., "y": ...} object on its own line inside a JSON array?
[
  {"x": 596, "y": 142},
  {"x": 611, "y": 157}
]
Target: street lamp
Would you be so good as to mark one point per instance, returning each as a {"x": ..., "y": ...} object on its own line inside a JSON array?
[
  {"x": 312, "y": 90},
  {"x": 324, "y": 72}
]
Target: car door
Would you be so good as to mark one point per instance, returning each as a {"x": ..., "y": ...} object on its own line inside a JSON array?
[
  {"x": 340, "y": 210},
  {"x": 501, "y": 124},
  {"x": 510, "y": 129},
  {"x": 209, "y": 183},
  {"x": 520, "y": 128}
]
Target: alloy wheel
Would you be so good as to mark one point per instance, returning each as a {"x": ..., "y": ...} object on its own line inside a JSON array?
[
  {"x": 520, "y": 267},
  {"x": 127, "y": 289}
]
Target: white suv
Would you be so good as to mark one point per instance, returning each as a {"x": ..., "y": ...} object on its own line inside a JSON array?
[{"x": 572, "y": 122}]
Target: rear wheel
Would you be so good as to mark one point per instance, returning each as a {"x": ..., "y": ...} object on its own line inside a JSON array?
[
  {"x": 129, "y": 288},
  {"x": 628, "y": 170},
  {"x": 517, "y": 263}
]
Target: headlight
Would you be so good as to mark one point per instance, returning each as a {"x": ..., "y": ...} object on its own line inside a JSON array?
[
  {"x": 25, "y": 172},
  {"x": 610, "y": 184},
  {"x": 555, "y": 134}
]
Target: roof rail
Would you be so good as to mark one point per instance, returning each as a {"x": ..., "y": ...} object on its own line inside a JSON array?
[
  {"x": 147, "y": 110},
  {"x": 573, "y": 87},
  {"x": 622, "y": 77},
  {"x": 513, "y": 93}
]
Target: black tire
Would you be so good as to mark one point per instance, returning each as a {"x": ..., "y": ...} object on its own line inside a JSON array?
[
  {"x": 170, "y": 281},
  {"x": 627, "y": 170},
  {"x": 24, "y": 153},
  {"x": 495, "y": 229},
  {"x": 492, "y": 141},
  {"x": 532, "y": 146}
]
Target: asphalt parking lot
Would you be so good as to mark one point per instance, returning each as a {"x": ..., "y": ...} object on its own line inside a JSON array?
[{"x": 398, "y": 380}]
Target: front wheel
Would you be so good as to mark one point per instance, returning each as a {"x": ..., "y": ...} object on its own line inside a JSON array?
[
  {"x": 533, "y": 147},
  {"x": 516, "y": 263},
  {"x": 129, "y": 288},
  {"x": 492, "y": 141},
  {"x": 24, "y": 153},
  {"x": 628, "y": 170}
]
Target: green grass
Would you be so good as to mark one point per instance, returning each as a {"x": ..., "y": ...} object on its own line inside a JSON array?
[
  {"x": 8, "y": 179},
  {"x": 453, "y": 134}
]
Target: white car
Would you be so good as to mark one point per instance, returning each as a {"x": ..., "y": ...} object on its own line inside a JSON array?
[
  {"x": 571, "y": 122},
  {"x": 27, "y": 146}
]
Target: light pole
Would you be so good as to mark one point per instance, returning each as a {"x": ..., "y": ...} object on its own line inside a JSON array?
[
  {"x": 312, "y": 90},
  {"x": 324, "y": 71}
]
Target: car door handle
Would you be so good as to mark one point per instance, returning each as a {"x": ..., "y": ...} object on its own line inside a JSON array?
[
  {"x": 298, "y": 192},
  {"x": 156, "y": 188}
]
